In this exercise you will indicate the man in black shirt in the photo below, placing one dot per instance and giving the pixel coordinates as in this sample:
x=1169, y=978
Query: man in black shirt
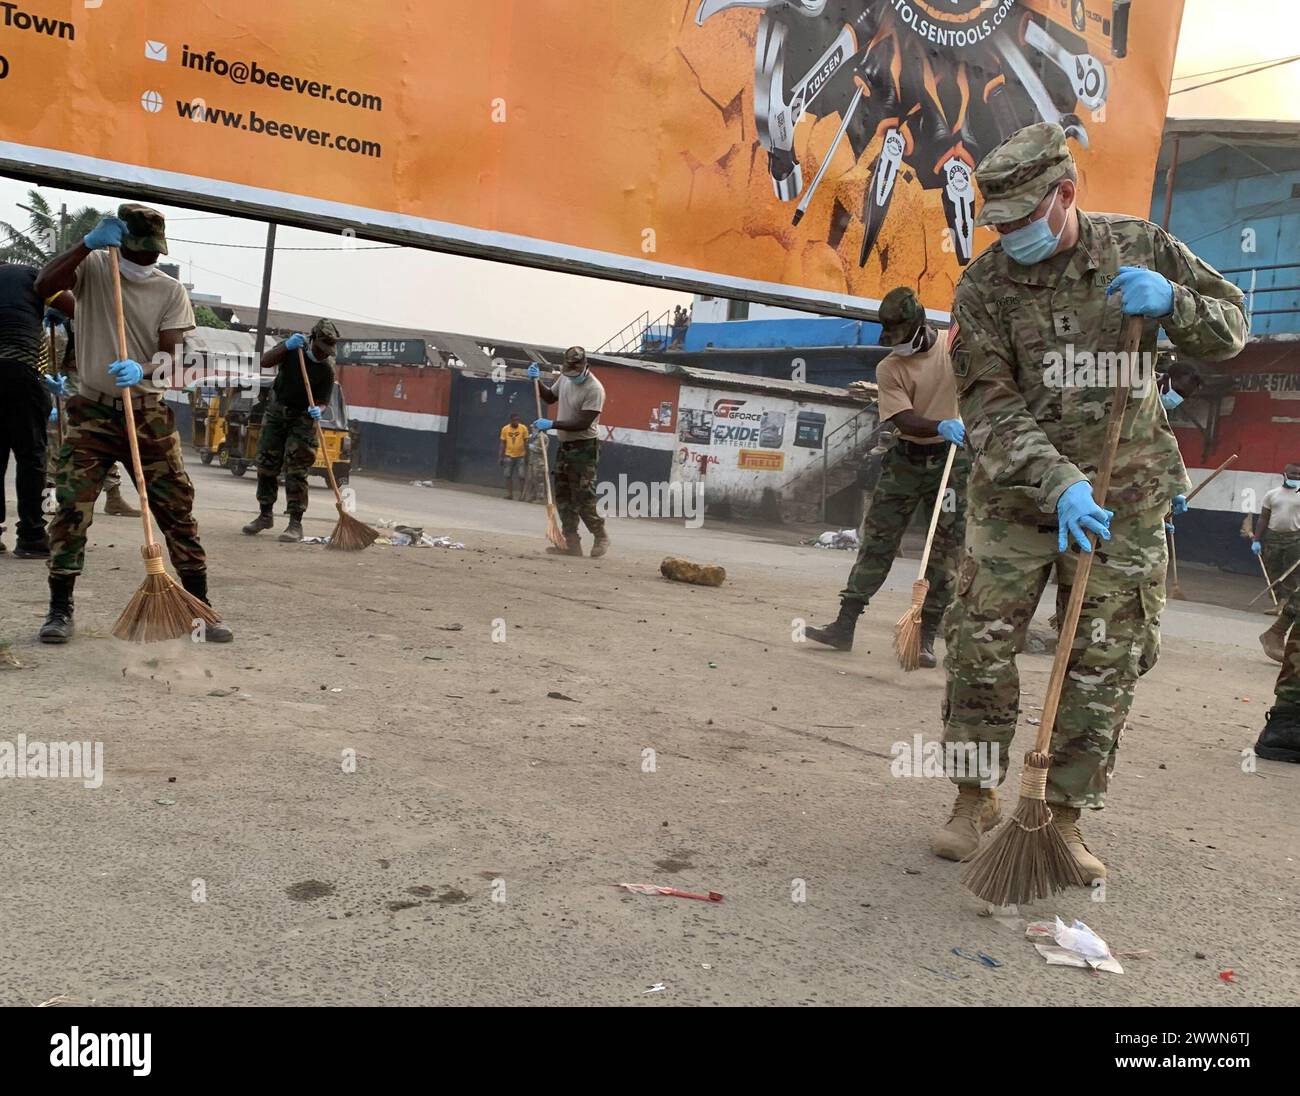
x=288, y=438
x=24, y=403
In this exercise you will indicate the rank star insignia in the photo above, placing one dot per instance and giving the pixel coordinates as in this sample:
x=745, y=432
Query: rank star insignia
x=1066, y=323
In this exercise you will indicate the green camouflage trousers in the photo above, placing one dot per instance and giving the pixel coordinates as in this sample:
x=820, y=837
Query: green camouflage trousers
x=909, y=478
x=1288, y=680
x=287, y=443
x=999, y=583
x=575, y=486
x=1281, y=550
x=94, y=440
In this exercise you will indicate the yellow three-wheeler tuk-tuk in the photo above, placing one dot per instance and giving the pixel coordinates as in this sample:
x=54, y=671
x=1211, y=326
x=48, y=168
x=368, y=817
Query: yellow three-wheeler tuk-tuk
x=228, y=423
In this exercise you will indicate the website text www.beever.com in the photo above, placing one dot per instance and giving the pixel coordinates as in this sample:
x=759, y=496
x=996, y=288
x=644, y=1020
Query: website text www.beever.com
x=250, y=72
x=200, y=112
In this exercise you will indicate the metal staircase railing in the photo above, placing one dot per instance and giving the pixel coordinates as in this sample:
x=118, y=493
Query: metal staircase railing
x=852, y=438
x=640, y=335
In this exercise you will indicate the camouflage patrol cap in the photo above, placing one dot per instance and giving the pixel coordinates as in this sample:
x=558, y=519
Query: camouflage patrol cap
x=325, y=330
x=1017, y=175
x=146, y=228
x=575, y=355
x=900, y=315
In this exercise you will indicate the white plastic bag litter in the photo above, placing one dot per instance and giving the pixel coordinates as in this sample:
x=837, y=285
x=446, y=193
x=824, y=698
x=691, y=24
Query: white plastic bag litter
x=1076, y=946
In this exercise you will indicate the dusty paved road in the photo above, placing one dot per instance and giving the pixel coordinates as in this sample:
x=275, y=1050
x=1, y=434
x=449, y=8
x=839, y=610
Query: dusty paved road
x=471, y=856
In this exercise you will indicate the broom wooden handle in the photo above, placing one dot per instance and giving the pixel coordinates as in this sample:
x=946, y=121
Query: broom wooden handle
x=131, y=440
x=58, y=400
x=1269, y=589
x=1070, y=625
x=1210, y=478
x=546, y=466
x=938, y=509
x=320, y=434
x=1274, y=584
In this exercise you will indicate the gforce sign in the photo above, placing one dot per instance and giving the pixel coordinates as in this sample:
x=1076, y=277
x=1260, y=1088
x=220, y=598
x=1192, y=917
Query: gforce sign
x=734, y=429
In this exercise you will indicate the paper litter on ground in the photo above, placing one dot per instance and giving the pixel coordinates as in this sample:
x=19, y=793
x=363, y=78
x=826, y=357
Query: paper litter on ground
x=846, y=539
x=1076, y=946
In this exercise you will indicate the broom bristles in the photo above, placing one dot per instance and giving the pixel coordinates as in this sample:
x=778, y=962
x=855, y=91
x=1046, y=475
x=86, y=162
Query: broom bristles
x=1027, y=859
x=553, y=531
x=351, y=534
x=907, y=632
x=161, y=609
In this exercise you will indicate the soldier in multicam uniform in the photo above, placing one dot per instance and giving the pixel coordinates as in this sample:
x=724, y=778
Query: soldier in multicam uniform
x=917, y=396
x=157, y=314
x=1280, y=739
x=580, y=398
x=287, y=442
x=1060, y=282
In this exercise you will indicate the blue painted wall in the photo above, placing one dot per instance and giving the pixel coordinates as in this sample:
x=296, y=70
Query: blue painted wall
x=779, y=334
x=1222, y=196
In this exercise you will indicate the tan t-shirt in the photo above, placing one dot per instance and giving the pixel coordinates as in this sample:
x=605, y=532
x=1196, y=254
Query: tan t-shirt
x=1283, y=505
x=152, y=306
x=573, y=397
x=920, y=382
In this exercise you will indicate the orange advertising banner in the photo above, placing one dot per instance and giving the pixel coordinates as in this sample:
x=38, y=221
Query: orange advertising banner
x=813, y=153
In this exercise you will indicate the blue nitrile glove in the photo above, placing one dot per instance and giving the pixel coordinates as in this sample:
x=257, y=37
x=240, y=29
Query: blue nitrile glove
x=1078, y=514
x=55, y=318
x=54, y=414
x=1146, y=293
x=1169, y=528
x=127, y=373
x=1179, y=505
x=57, y=385
x=1256, y=547
x=295, y=342
x=108, y=233
x=534, y=372
x=953, y=430
x=543, y=424
x=314, y=412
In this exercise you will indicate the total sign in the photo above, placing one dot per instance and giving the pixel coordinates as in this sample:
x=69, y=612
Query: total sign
x=734, y=426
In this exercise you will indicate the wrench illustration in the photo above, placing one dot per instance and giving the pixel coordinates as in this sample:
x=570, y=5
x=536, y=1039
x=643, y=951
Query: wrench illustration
x=1085, y=72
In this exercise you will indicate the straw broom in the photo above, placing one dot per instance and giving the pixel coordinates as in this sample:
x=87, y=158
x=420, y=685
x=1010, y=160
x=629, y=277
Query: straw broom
x=1028, y=858
x=350, y=534
x=553, y=531
x=1174, y=589
x=161, y=609
x=1271, y=592
x=1274, y=584
x=907, y=632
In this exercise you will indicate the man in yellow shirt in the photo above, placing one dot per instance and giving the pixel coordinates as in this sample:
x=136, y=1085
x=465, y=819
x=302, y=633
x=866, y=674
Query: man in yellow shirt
x=514, y=449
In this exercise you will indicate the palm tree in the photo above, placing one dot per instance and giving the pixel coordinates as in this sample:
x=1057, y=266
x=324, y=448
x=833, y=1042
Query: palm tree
x=48, y=232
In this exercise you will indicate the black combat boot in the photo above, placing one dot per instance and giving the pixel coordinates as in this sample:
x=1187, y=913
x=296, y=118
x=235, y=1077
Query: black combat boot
x=839, y=632
x=196, y=585
x=264, y=520
x=293, y=533
x=58, y=627
x=927, y=659
x=1280, y=738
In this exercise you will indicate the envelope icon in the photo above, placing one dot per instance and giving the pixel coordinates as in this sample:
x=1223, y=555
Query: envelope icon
x=155, y=51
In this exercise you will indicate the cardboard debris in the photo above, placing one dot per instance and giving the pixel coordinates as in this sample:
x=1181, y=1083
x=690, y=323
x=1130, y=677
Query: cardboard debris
x=1075, y=946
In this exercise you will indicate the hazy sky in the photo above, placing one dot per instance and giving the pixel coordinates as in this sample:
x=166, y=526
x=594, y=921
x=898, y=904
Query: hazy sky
x=449, y=293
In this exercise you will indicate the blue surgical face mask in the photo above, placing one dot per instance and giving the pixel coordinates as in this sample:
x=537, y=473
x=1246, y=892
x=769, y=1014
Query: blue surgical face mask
x=579, y=378
x=1170, y=399
x=310, y=356
x=1293, y=484
x=1035, y=241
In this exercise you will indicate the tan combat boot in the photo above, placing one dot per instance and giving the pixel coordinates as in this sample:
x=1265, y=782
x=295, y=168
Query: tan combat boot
x=116, y=506
x=572, y=546
x=975, y=812
x=1066, y=821
x=600, y=547
x=1274, y=640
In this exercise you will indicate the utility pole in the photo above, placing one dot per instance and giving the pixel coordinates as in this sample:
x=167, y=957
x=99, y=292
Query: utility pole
x=265, y=304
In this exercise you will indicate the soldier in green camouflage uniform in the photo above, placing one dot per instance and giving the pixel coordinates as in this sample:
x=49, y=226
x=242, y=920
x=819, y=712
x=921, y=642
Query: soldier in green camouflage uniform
x=1280, y=739
x=917, y=396
x=1037, y=431
x=580, y=397
x=288, y=437
x=157, y=313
